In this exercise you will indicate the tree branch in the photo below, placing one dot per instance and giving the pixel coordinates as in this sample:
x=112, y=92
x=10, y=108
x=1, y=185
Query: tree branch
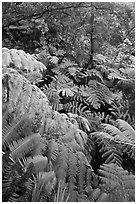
x=39, y=15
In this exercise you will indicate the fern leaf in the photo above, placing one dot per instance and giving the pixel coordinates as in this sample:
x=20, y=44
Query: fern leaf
x=129, y=150
x=14, y=198
x=24, y=60
x=115, y=132
x=126, y=129
x=61, y=164
x=44, y=183
x=95, y=194
x=23, y=146
x=114, y=181
x=15, y=130
x=33, y=77
x=53, y=151
x=80, y=138
x=72, y=170
x=81, y=171
x=7, y=119
x=15, y=58
x=61, y=193
x=108, y=149
x=47, y=178
x=6, y=59
x=103, y=198
x=40, y=163
x=66, y=92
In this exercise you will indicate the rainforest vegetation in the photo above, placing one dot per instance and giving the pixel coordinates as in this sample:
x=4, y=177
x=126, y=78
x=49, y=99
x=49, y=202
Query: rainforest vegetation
x=68, y=102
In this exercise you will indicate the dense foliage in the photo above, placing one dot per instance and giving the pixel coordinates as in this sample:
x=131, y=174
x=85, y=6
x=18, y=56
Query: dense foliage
x=68, y=102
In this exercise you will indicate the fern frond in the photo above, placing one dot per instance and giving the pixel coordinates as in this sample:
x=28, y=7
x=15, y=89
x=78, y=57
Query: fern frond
x=21, y=147
x=102, y=69
x=98, y=196
x=60, y=196
x=7, y=118
x=94, y=74
x=82, y=165
x=53, y=151
x=48, y=179
x=81, y=138
x=33, y=77
x=53, y=97
x=83, y=122
x=72, y=171
x=109, y=151
x=97, y=94
x=129, y=150
x=62, y=79
x=15, y=130
x=66, y=92
x=44, y=183
x=115, y=74
x=126, y=129
x=21, y=61
x=61, y=164
x=116, y=133
x=118, y=181
x=75, y=107
x=14, y=198
x=40, y=163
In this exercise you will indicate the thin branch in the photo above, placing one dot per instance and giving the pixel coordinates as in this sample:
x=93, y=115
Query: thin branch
x=39, y=15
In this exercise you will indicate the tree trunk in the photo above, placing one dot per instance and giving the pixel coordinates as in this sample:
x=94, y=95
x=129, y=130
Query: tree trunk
x=89, y=64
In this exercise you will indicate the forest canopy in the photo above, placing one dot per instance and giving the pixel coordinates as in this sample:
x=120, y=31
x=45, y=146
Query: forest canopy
x=68, y=101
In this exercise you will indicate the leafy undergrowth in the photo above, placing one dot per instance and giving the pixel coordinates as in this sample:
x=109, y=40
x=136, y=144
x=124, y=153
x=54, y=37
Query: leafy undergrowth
x=64, y=135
